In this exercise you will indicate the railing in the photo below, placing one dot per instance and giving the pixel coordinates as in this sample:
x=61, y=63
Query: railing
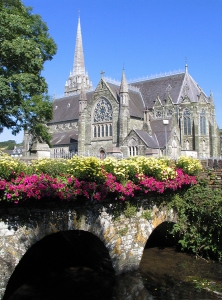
x=165, y=74
x=64, y=155
x=69, y=155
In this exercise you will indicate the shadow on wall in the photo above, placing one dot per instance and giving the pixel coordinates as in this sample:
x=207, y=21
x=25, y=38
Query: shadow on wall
x=161, y=236
x=63, y=265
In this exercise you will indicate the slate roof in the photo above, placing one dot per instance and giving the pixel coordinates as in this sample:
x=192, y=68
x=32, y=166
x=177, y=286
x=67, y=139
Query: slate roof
x=67, y=108
x=160, y=134
x=175, y=84
x=152, y=87
x=161, y=131
x=64, y=137
x=149, y=140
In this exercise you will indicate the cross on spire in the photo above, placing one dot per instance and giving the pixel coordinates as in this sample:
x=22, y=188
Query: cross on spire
x=102, y=73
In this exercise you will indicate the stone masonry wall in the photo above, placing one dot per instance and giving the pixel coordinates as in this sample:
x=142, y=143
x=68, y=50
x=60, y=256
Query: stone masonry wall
x=125, y=238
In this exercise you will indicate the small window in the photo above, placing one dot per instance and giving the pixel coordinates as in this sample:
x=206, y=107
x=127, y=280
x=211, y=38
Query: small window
x=107, y=130
x=187, y=122
x=202, y=122
x=110, y=130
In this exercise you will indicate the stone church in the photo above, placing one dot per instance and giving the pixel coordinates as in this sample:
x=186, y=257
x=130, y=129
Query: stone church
x=166, y=115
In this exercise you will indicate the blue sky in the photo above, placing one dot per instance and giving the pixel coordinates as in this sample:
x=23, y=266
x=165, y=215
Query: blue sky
x=147, y=36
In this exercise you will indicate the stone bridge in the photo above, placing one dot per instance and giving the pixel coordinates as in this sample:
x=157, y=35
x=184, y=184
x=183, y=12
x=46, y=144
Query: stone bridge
x=123, y=229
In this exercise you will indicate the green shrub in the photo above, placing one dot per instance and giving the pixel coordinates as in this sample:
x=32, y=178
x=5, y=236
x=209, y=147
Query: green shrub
x=199, y=223
x=52, y=167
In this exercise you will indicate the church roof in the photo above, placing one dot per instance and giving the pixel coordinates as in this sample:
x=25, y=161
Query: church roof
x=176, y=85
x=161, y=131
x=149, y=140
x=64, y=137
x=67, y=108
x=152, y=88
x=160, y=134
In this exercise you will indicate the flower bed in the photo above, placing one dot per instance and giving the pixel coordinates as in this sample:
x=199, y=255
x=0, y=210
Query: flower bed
x=90, y=178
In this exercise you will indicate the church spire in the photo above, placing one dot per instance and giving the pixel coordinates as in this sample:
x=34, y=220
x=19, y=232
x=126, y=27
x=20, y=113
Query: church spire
x=124, y=94
x=124, y=115
x=78, y=64
x=78, y=76
x=123, y=86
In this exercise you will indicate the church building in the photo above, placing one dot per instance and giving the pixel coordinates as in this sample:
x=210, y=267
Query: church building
x=166, y=115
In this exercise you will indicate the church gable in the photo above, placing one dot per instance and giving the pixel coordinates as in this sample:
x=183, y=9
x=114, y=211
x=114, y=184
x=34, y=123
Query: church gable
x=157, y=103
x=103, y=90
x=189, y=90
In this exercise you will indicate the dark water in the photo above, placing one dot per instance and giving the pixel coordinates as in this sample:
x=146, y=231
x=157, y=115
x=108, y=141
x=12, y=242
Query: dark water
x=57, y=269
x=169, y=274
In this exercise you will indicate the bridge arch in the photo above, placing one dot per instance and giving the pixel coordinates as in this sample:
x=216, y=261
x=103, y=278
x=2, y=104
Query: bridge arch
x=161, y=236
x=123, y=237
x=72, y=252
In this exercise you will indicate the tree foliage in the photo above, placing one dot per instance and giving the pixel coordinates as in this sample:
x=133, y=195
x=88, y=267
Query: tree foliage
x=9, y=145
x=25, y=45
x=199, y=224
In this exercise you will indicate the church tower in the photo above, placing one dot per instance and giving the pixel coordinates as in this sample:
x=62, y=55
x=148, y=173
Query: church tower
x=78, y=75
x=124, y=116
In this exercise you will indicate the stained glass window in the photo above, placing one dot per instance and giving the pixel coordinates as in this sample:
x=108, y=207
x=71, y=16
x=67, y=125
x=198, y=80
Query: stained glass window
x=103, y=111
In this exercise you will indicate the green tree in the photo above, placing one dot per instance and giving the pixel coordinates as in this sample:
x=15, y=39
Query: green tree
x=25, y=45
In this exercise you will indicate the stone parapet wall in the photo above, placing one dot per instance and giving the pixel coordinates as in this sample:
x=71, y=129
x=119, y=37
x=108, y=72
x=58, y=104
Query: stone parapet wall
x=212, y=172
x=213, y=177
x=212, y=163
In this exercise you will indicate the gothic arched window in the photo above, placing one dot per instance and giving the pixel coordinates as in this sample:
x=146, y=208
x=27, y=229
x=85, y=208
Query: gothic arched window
x=133, y=147
x=187, y=122
x=102, y=119
x=202, y=122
